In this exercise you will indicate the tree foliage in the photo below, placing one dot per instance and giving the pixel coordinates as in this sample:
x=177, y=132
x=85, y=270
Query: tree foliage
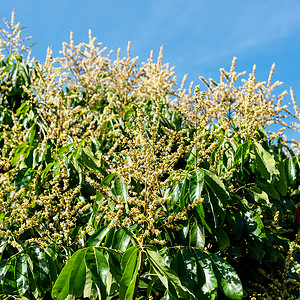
x=116, y=185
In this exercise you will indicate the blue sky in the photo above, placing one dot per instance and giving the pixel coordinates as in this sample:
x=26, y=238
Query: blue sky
x=199, y=36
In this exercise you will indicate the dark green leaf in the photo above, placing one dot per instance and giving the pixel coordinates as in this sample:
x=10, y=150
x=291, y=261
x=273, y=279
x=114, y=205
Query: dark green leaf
x=281, y=180
x=117, y=239
x=167, y=275
x=40, y=269
x=21, y=273
x=216, y=186
x=197, y=235
x=222, y=238
x=228, y=279
x=208, y=281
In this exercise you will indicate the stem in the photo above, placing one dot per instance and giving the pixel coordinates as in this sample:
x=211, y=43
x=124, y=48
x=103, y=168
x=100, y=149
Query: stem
x=136, y=288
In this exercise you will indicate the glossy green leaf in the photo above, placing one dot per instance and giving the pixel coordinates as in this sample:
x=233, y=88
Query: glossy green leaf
x=40, y=269
x=7, y=276
x=259, y=195
x=118, y=239
x=197, y=235
x=254, y=224
x=207, y=279
x=228, y=279
x=88, y=159
x=241, y=153
x=196, y=185
x=183, y=186
x=98, y=236
x=130, y=263
x=179, y=192
x=201, y=213
x=269, y=189
x=167, y=276
x=21, y=273
x=99, y=268
x=185, y=265
x=265, y=161
x=291, y=170
x=71, y=280
x=281, y=180
x=121, y=189
x=216, y=186
x=107, y=180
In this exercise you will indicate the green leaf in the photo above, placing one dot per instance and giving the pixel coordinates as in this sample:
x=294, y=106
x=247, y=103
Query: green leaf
x=99, y=268
x=241, y=153
x=236, y=222
x=63, y=150
x=216, y=186
x=196, y=185
x=40, y=269
x=21, y=273
x=259, y=195
x=254, y=224
x=201, y=213
x=281, y=180
x=179, y=192
x=291, y=170
x=130, y=265
x=88, y=159
x=167, y=276
x=106, y=181
x=117, y=239
x=222, y=238
x=208, y=281
x=121, y=189
x=96, y=239
x=197, y=236
x=228, y=279
x=71, y=280
x=265, y=161
x=269, y=189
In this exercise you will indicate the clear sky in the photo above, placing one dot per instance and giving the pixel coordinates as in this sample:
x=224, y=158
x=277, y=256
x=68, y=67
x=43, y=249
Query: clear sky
x=199, y=36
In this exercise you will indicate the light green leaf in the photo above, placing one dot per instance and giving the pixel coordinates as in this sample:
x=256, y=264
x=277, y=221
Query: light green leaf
x=88, y=159
x=265, y=161
x=71, y=280
x=98, y=266
x=130, y=263
x=121, y=189
x=196, y=185
x=259, y=195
